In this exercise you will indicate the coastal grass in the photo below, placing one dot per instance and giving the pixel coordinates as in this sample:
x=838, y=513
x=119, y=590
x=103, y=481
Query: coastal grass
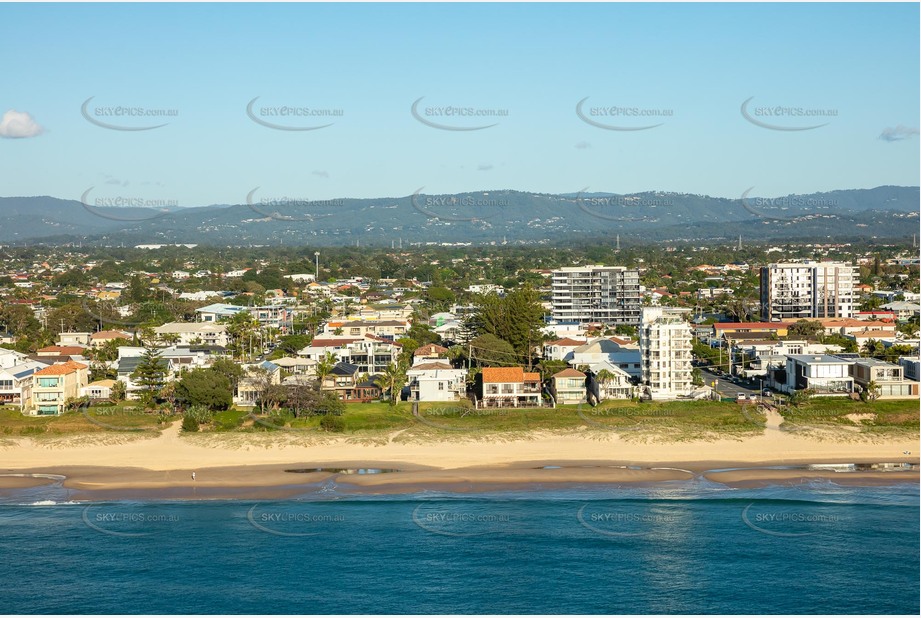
x=873, y=417
x=124, y=417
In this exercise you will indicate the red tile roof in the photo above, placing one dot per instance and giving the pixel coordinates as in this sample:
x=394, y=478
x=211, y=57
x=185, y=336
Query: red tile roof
x=429, y=349
x=565, y=341
x=493, y=375
x=763, y=325
x=61, y=369
x=63, y=350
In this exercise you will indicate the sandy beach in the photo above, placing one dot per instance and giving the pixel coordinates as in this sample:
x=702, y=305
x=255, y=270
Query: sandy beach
x=276, y=466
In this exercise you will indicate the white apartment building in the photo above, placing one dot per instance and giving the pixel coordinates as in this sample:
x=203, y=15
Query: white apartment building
x=665, y=348
x=596, y=293
x=187, y=333
x=793, y=291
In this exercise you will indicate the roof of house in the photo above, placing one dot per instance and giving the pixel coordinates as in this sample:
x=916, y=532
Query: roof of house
x=62, y=350
x=762, y=325
x=344, y=369
x=565, y=341
x=332, y=343
x=103, y=383
x=494, y=375
x=822, y=359
x=430, y=366
x=569, y=372
x=109, y=334
x=429, y=349
x=189, y=327
x=61, y=369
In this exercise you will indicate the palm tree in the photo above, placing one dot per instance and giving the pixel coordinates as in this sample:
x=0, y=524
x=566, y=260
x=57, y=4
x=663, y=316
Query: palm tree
x=871, y=390
x=391, y=381
x=325, y=366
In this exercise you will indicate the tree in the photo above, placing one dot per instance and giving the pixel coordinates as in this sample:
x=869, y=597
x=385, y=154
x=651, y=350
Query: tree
x=242, y=328
x=119, y=390
x=391, y=381
x=205, y=387
x=490, y=351
x=810, y=330
x=801, y=396
x=325, y=366
x=229, y=369
x=870, y=391
x=150, y=374
x=291, y=344
x=516, y=318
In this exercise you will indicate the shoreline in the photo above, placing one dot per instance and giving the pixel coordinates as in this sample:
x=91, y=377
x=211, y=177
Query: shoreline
x=278, y=482
x=228, y=467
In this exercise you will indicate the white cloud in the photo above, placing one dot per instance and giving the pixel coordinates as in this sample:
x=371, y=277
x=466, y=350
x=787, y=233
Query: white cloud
x=16, y=125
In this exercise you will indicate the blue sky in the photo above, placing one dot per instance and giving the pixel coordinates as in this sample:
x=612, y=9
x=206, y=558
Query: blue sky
x=696, y=64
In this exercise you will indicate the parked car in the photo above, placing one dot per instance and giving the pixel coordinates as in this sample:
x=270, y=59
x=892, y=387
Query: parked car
x=741, y=397
x=766, y=393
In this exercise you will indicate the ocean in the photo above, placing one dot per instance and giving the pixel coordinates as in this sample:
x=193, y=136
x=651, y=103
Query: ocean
x=675, y=547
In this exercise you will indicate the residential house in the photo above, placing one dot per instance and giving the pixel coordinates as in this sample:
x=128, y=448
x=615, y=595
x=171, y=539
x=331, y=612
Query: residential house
x=187, y=333
x=429, y=351
x=903, y=309
x=627, y=358
x=387, y=329
x=346, y=381
x=911, y=366
x=16, y=383
x=889, y=378
x=53, y=386
x=255, y=378
x=615, y=383
x=728, y=330
x=509, y=387
x=826, y=375
x=102, y=337
x=568, y=386
x=298, y=366
x=559, y=349
x=100, y=389
x=74, y=339
x=436, y=380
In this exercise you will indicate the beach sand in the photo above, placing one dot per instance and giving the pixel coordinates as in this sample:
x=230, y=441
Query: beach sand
x=254, y=466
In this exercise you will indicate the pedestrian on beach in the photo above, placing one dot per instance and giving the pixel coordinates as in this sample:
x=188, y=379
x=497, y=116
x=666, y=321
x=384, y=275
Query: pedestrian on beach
x=193, y=476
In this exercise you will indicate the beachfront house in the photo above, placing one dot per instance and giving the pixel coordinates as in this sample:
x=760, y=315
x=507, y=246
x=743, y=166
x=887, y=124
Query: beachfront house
x=436, y=380
x=889, y=379
x=568, y=386
x=824, y=374
x=53, y=386
x=508, y=387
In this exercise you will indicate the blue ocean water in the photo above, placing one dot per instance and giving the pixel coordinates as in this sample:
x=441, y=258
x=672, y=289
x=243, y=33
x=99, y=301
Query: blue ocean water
x=672, y=548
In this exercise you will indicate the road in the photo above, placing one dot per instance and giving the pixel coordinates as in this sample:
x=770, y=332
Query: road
x=726, y=387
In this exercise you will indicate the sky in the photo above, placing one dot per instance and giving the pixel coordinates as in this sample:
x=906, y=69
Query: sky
x=832, y=94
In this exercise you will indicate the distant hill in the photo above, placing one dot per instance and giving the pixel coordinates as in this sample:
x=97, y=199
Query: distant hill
x=478, y=217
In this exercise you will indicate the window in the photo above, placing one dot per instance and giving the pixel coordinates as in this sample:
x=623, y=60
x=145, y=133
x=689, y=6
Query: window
x=441, y=386
x=6, y=384
x=47, y=382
